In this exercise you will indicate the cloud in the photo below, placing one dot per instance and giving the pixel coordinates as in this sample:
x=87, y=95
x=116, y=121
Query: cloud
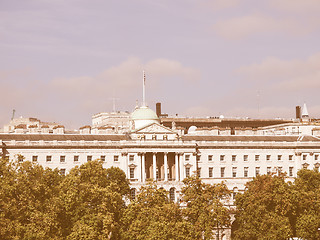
x=245, y=26
x=123, y=81
x=293, y=75
x=297, y=6
x=219, y=4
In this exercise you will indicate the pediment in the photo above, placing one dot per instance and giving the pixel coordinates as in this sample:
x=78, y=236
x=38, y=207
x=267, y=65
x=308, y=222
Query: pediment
x=155, y=128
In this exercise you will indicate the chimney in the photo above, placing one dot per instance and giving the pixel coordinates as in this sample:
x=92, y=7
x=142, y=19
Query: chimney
x=298, y=112
x=158, y=109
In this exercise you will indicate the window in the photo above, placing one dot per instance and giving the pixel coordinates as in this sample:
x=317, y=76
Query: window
x=133, y=193
x=221, y=157
x=245, y=171
x=290, y=171
x=34, y=158
x=210, y=158
x=187, y=157
x=245, y=158
x=157, y=173
x=290, y=157
x=154, y=137
x=257, y=157
x=103, y=158
x=62, y=158
x=48, y=158
x=172, y=194
x=187, y=172
x=165, y=137
x=304, y=157
x=116, y=158
x=268, y=170
x=198, y=158
x=199, y=172
x=131, y=157
x=76, y=158
x=131, y=173
x=268, y=157
x=89, y=158
x=234, y=158
x=234, y=172
x=316, y=157
x=279, y=169
x=63, y=171
x=222, y=171
x=279, y=157
x=257, y=171
x=210, y=172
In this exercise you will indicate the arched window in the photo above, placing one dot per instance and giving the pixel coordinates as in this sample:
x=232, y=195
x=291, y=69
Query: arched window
x=133, y=193
x=172, y=194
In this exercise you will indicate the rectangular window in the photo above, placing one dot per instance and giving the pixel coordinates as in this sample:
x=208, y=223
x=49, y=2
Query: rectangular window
x=257, y=171
x=62, y=159
x=89, y=158
x=187, y=157
x=210, y=158
x=103, y=158
x=154, y=137
x=304, y=157
x=245, y=171
x=316, y=157
x=268, y=170
x=187, y=172
x=210, y=172
x=48, y=158
x=279, y=157
x=131, y=157
x=290, y=157
x=234, y=172
x=221, y=157
x=34, y=158
x=291, y=171
x=199, y=172
x=245, y=158
x=257, y=157
x=131, y=173
x=234, y=158
x=76, y=158
x=116, y=158
x=63, y=171
x=222, y=171
x=268, y=157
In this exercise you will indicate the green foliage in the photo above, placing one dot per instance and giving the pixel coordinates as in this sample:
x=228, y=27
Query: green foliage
x=204, y=209
x=153, y=216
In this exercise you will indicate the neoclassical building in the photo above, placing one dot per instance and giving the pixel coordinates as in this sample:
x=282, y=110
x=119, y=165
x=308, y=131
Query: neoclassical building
x=146, y=149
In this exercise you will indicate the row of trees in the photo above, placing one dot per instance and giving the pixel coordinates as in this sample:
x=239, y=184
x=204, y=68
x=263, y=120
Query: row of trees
x=272, y=208
x=92, y=202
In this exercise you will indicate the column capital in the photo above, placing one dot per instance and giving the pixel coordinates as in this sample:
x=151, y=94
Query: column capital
x=124, y=153
x=141, y=153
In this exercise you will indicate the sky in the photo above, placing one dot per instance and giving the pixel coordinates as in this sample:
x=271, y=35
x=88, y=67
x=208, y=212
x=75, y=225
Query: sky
x=66, y=60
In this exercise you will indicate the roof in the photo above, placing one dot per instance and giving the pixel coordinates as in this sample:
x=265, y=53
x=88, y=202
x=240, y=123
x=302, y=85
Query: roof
x=144, y=113
x=252, y=138
x=61, y=137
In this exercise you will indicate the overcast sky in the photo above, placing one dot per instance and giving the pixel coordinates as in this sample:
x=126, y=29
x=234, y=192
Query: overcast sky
x=64, y=60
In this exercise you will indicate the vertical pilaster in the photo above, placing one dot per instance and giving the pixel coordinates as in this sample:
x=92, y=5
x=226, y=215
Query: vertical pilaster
x=154, y=165
x=176, y=158
x=143, y=167
x=165, y=159
x=181, y=156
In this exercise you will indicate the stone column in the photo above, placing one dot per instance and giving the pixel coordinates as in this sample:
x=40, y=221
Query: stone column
x=143, y=167
x=154, y=166
x=176, y=157
x=165, y=160
x=181, y=162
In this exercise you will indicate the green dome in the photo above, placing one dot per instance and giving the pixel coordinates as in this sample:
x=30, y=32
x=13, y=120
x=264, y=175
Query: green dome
x=144, y=113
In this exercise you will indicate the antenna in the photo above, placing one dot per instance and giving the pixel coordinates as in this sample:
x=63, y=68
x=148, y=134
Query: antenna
x=13, y=112
x=144, y=90
x=114, y=104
